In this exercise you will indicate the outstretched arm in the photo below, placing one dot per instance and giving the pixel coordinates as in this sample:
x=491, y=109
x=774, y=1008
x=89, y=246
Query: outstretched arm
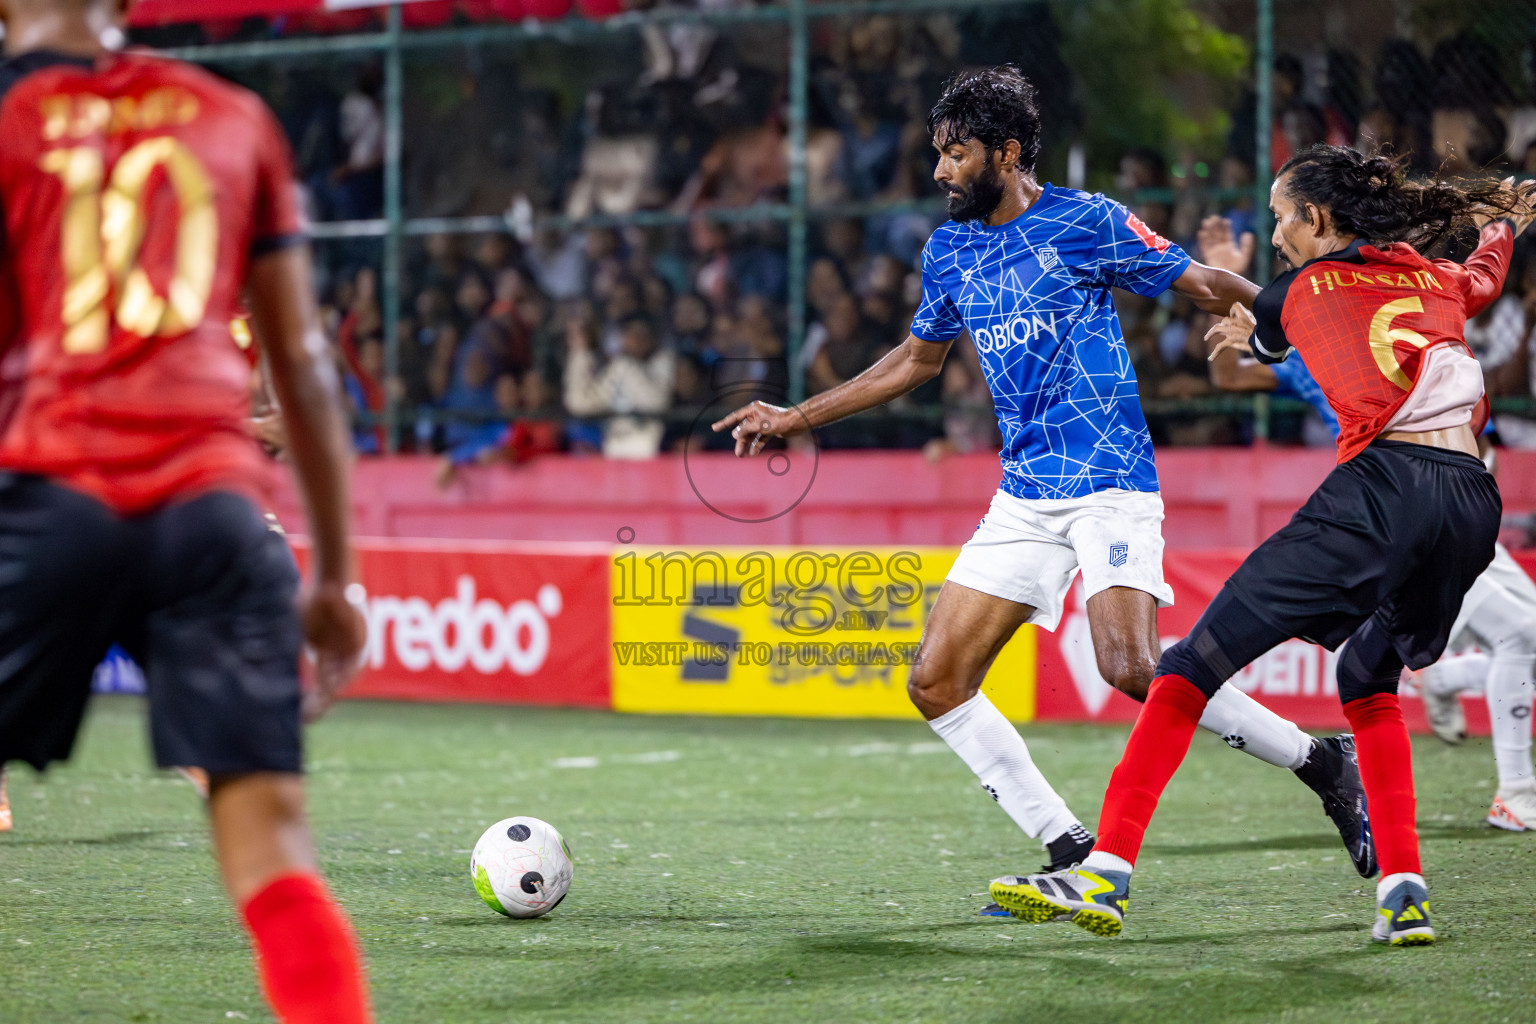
x=909, y=364
x=1217, y=283
x=304, y=380
x=1213, y=289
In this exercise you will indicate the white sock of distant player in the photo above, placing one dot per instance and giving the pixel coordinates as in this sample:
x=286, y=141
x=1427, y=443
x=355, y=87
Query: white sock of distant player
x=1254, y=729
x=1509, y=712
x=1506, y=627
x=994, y=750
x=1462, y=674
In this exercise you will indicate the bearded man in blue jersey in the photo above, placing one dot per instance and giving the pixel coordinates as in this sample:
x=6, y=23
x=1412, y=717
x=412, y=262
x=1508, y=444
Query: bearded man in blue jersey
x=1027, y=269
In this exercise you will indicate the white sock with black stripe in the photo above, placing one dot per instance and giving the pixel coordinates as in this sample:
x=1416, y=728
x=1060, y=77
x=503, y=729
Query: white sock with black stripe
x=994, y=750
x=1252, y=728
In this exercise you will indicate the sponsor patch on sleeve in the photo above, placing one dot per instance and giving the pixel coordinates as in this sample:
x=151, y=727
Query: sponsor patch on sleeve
x=1146, y=234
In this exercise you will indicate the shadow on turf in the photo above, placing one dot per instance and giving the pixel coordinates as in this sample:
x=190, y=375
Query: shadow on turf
x=825, y=964
x=111, y=839
x=1313, y=841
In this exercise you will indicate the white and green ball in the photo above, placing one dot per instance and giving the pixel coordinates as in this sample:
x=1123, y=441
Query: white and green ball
x=521, y=867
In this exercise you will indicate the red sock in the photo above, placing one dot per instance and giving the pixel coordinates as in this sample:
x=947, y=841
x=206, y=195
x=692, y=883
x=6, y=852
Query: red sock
x=1386, y=769
x=1157, y=746
x=307, y=954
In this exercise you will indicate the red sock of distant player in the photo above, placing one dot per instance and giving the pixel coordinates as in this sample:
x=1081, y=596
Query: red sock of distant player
x=1157, y=746
x=306, y=953
x=1386, y=769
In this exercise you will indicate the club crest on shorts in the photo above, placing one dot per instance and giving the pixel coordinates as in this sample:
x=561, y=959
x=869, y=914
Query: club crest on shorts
x=1118, y=553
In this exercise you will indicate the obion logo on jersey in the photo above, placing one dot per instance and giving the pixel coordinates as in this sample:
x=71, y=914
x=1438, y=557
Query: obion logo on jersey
x=1019, y=329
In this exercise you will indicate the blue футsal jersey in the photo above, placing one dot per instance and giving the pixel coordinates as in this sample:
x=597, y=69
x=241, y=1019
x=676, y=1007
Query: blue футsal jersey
x=1295, y=381
x=1034, y=293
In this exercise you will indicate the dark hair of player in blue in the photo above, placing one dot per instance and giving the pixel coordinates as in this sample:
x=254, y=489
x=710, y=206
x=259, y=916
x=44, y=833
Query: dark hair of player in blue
x=1371, y=197
x=991, y=105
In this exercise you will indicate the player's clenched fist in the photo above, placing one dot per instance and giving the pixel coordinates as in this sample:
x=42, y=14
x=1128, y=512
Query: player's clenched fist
x=752, y=425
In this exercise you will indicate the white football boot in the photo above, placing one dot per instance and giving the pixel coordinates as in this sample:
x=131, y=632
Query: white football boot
x=1514, y=809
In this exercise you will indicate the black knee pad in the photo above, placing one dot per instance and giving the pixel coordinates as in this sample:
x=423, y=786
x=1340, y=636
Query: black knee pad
x=1192, y=659
x=1369, y=664
x=1227, y=637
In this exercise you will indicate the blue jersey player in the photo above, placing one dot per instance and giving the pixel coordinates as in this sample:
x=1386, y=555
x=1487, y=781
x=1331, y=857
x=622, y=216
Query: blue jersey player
x=1027, y=269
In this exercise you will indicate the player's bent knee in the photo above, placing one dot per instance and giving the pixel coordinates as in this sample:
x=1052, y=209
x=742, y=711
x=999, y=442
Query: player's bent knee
x=936, y=692
x=1130, y=677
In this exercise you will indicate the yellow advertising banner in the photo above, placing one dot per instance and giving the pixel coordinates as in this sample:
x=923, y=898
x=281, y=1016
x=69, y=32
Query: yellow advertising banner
x=786, y=631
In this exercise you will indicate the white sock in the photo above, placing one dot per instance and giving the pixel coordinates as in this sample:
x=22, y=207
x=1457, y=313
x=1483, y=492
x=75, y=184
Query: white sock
x=1508, y=629
x=994, y=750
x=1456, y=675
x=1251, y=727
x=1509, y=710
x=1099, y=861
x=1390, y=882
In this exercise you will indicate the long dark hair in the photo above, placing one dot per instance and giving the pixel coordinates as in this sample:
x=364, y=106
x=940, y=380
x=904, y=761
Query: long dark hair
x=1371, y=197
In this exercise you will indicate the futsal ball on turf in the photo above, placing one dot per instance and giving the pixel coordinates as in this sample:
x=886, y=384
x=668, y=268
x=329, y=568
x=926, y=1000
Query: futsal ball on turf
x=521, y=867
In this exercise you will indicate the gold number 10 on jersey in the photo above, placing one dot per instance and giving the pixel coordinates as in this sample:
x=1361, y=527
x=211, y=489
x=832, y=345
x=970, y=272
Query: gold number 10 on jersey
x=104, y=229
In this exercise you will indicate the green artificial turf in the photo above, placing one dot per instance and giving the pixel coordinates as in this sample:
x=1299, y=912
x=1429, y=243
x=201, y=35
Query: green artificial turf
x=750, y=870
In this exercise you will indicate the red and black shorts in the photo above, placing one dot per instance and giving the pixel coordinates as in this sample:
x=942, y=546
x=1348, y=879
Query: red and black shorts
x=201, y=593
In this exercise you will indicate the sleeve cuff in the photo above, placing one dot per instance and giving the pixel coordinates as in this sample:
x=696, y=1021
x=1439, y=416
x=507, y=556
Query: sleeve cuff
x=1264, y=354
x=1171, y=273
x=920, y=336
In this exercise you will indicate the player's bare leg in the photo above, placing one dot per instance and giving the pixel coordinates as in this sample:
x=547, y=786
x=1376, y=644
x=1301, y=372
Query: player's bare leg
x=1123, y=622
x=259, y=830
x=965, y=632
x=5, y=805
x=305, y=947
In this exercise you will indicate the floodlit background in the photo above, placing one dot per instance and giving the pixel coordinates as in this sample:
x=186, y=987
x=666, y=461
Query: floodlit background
x=556, y=551
x=489, y=178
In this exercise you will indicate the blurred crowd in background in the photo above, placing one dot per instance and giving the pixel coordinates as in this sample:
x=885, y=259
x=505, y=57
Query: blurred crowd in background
x=616, y=341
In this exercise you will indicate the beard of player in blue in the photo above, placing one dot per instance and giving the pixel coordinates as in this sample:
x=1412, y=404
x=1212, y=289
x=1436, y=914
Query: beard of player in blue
x=974, y=191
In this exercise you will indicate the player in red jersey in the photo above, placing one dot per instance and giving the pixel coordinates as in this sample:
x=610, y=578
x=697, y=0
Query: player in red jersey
x=1383, y=551
x=139, y=197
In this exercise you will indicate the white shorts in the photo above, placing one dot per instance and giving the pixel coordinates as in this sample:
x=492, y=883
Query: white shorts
x=1029, y=550
x=1502, y=581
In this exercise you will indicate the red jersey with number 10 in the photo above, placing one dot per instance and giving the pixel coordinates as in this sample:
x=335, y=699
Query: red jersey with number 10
x=134, y=191
x=1365, y=318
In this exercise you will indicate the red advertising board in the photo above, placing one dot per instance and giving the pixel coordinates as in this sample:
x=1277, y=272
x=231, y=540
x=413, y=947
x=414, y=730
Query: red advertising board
x=501, y=623
x=1295, y=679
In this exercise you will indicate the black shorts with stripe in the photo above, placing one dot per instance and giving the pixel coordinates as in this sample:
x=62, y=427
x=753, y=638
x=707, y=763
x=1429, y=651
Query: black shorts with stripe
x=200, y=593
x=1398, y=533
